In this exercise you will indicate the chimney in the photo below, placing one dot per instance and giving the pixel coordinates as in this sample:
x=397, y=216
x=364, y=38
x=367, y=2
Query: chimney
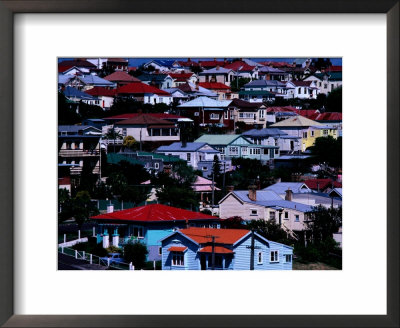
x=229, y=188
x=217, y=68
x=184, y=143
x=289, y=194
x=197, y=85
x=258, y=183
x=278, y=180
x=253, y=193
x=318, y=186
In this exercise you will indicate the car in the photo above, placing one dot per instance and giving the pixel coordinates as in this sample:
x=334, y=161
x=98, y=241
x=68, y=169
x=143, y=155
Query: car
x=114, y=258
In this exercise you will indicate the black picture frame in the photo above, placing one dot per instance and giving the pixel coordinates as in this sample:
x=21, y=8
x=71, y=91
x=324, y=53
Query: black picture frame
x=10, y=7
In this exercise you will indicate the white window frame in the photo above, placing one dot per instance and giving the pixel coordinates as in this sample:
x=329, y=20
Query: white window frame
x=260, y=258
x=226, y=115
x=196, y=114
x=233, y=150
x=244, y=150
x=274, y=256
x=178, y=259
x=188, y=157
x=160, y=250
x=288, y=256
x=214, y=116
x=253, y=210
x=297, y=218
x=156, y=166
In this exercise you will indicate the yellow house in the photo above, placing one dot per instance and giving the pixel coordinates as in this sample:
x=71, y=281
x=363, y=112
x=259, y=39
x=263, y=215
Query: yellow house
x=305, y=128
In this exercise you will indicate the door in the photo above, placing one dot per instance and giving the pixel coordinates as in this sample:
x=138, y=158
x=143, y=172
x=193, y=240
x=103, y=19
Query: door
x=203, y=262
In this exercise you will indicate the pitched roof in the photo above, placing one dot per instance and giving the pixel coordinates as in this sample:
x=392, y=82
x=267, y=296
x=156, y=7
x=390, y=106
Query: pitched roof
x=154, y=213
x=206, y=102
x=222, y=236
x=300, y=83
x=240, y=66
x=191, y=88
x=153, y=77
x=75, y=93
x=189, y=147
x=216, y=70
x=266, y=132
x=245, y=104
x=329, y=116
x=181, y=76
x=264, y=83
x=120, y=76
x=115, y=158
x=281, y=187
x=211, y=63
x=126, y=116
x=309, y=113
x=322, y=184
x=217, y=250
x=214, y=86
x=101, y=91
x=273, y=70
x=77, y=63
x=95, y=80
x=218, y=139
x=144, y=119
x=177, y=249
x=140, y=88
x=282, y=109
x=64, y=78
x=297, y=121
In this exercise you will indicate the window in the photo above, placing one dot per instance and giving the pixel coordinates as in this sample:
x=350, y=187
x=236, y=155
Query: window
x=244, y=150
x=156, y=166
x=137, y=231
x=305, y=134
x=276, y=151
x=226, y=115
x=188, y=157
x=312, y=133
x=286, y=215
x=205, y=168
x=288, y=258
x=217, y=261
x=274, y=256
x=233, y=150
x=160, y=250
x=299, y=91
x=255, y=151
x=297, y=218
x=325, y=86
x=214, y=116
x=177, y=259
x=260, y=258
x=254, y=212
x=196, y=113
x=272, y=215
x=325, y=132
x=232, y=116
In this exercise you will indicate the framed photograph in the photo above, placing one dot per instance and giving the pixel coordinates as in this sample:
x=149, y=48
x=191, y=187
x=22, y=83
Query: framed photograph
x=135, y=103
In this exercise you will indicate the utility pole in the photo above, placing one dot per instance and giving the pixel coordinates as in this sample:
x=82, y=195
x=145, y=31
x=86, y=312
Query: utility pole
x=140, y=144
x=212, y=189
x=252, y=250
x=213, y=253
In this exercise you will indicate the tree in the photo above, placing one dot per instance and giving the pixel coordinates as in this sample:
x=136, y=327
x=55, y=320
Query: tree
x=328, y=150
x=216, y=169
x=135, y=194
x=130, y=142
x=234, y=222
x=238, y=83
x=323, y=222
x=65, y=205
x=270, y=230
x=196, y=69
x=136, y=253
x=117, y=182
x=334, y=100
x=67, y=111
x=90, y=111
x=113, y=134
x=83, y=207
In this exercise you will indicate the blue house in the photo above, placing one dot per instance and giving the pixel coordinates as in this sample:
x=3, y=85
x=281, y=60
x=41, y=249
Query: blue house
x=223, y=249
x=232, y=145
x=150, y=223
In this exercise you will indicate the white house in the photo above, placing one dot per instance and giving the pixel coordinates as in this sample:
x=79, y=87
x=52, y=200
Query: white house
x=302, y=89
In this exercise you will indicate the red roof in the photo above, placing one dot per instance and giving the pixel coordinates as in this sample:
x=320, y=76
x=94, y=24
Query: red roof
x=309, y=113
x=154, y=213
x=176, y=75
x=140, y=88
x=121, y=76
x=211, y=63
x=329, y=116
x=239, y=65
x=322, y=184
x=188, y=63
x=222, y=236
x=132, y=115
x=177, y=249
x=77, y=63
x=64, y=181
x=214, y=85
x=145, y=119
x=217, y=250
x=301, y=83
x=100, y=91
x=334, y=69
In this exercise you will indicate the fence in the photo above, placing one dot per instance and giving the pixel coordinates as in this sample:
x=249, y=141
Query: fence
x=94, y=259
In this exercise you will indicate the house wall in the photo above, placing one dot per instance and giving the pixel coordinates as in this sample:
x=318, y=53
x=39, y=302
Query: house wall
x=151, y=98
x=106, y=102
x=191, y=259
x=134, y=131
x=242, y=256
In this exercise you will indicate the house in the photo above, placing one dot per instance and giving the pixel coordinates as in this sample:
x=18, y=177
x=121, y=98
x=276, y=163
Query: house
x=79, y=147
x=264, y=90
x=267, y=205
x=326, y=82
x=81, y=64
x=181, y=78
x=274, y=137
x=86, y=82
x=162, y=65
x=147, y=128
x=116, y=64
x=198, y=155
x=144, y=93
x=221, y=89
x=208, y=64
x=306, y=129
x=206, y=111
x=121, y=78
x=98, y=123
x=336, y=192
x=272, y=73
x=322, y=185
x=194, y=90
x=217, y=74
x=232, y=145
x=250, y=113
x=302, y=89
x=152, y=162
x=149, y=224
x=243, y=70
x=160, y=81
x=77, y=96
x=281, y=187
x=104, y=96
x=178, y=96
x=223, y=249
x=280, y=113
x=204, y=187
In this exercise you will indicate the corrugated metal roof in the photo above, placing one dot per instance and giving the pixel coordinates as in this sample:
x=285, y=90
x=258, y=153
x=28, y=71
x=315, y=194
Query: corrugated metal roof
x=75, y=93
x=177, y=146
x=281, y=187
x=268, y=132
x=218, y=139
x=298, y=121
x=206, y=102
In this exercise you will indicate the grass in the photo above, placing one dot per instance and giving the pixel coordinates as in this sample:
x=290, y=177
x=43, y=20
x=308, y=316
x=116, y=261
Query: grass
x=312, y=266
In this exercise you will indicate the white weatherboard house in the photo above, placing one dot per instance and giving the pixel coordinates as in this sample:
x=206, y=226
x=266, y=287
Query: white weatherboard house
x=267, y=205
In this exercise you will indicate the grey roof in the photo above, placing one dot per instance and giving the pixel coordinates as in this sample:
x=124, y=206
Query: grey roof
x=206, y=102
x=172, y=90
x=190, y=146
x=95, y=80
x=215, y=70
x=71, y=92
x=281, y=187
x=271, y=199
x=337, y=190
x=153, y=77
x=267, y=69
x=268, y=132
x=64, y=78
x=264, y=83
x=75, y=128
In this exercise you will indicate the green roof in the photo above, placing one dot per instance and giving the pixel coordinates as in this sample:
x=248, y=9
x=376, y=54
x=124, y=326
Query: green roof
x=218, y=139
x=113, y=158
x=256, y=93
x=165, y=158
x=333, y=76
